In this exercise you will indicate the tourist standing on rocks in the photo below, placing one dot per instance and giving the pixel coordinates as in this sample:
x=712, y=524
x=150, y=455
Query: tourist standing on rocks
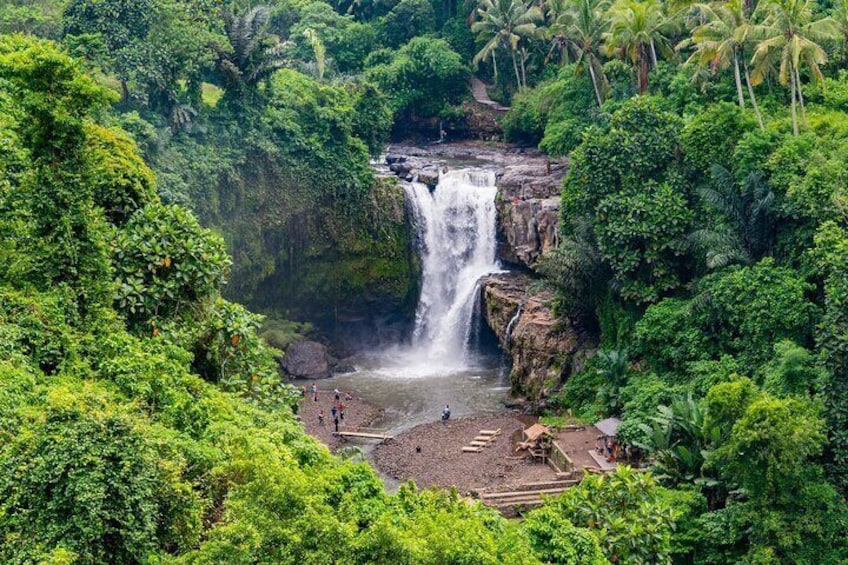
x=321, y=417
x=334, y=411
x=336, y=423
x=446, y=413
x=314, y=392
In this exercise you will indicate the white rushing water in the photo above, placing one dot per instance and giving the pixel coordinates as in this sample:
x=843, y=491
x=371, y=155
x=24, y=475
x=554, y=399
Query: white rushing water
x=456, y=225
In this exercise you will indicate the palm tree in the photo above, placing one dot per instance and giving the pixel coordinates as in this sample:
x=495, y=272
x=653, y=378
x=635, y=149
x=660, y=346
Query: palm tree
x=747, y=222
x=720, y=40
x=318, y=49
x=636, y=30
x=578, y=27
x=252, y=54
x=506, y=23
x=840, y=16
x=788, y=36
x=577, y=268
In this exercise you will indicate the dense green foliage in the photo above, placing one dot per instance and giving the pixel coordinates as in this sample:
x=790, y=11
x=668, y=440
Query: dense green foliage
x=116, y=445
x=703, y=240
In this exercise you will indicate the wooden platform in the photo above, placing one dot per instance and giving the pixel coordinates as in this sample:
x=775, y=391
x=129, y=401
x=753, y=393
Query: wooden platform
x=366, y=435
x=602, y=462
x=525, y=496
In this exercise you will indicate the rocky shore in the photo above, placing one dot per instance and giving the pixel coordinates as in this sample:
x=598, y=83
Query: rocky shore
x=358, y=414
x=431, y=455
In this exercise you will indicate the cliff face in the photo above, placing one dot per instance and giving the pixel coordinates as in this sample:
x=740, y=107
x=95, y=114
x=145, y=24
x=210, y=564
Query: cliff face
x=528, y=208
x=545, y=350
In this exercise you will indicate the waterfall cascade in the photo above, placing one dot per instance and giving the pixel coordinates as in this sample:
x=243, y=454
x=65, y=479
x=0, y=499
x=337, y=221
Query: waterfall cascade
x=456, y=229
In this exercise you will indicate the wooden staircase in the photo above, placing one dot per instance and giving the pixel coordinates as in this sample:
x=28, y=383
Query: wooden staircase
x=483, y=439
x=526, y=496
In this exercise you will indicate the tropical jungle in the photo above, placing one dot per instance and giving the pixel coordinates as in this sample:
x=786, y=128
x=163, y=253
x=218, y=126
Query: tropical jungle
x=188, y=187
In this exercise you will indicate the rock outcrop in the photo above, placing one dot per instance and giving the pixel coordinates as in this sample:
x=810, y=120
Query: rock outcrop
x=529, y=210
x=307, y=360
x=545, y=350
x=529, y=228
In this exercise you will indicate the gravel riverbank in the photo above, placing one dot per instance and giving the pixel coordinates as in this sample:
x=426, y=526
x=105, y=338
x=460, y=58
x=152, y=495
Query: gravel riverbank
x=441, y=462
x=358, y=414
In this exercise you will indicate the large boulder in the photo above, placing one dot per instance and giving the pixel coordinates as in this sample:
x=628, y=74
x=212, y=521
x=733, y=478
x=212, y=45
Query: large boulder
x=307, y=360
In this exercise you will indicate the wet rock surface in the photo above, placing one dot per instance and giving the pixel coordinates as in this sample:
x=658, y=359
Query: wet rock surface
x=545, y=350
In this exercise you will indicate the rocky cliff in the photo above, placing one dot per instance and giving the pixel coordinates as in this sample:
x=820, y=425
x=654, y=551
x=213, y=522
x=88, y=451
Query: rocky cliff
x=529, y=209
x=545, y=350
x=529, y=186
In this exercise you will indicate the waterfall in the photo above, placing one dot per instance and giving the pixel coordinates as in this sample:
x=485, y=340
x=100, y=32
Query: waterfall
x=456, y=231
x=512, y=322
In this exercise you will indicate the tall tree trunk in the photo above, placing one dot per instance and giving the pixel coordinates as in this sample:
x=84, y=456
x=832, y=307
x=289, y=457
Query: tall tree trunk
x=653, y=54
x=495, y=65
x=753, y=98
x=643, y=71
x=801, y=97
x=595, y=82
x=523, y=70
x=515, y=68
x=794, y=111
x=125, y=94
x=738, y=80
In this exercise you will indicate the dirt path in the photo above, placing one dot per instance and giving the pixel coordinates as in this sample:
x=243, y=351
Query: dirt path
x=441, y=462
x=478, y=90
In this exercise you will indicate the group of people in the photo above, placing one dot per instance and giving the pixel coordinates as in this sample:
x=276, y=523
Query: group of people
x=338, y=409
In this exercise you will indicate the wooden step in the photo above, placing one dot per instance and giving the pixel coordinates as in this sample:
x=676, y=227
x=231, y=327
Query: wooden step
x=493, y=495
x=516, y=500
x=526, y=504
x=479, y=443
x=490, y=432
x=472, y=449
x=545, y=485
x=484, y=438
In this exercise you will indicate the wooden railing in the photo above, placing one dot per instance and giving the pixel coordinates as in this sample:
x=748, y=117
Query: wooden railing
x=560, y=460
